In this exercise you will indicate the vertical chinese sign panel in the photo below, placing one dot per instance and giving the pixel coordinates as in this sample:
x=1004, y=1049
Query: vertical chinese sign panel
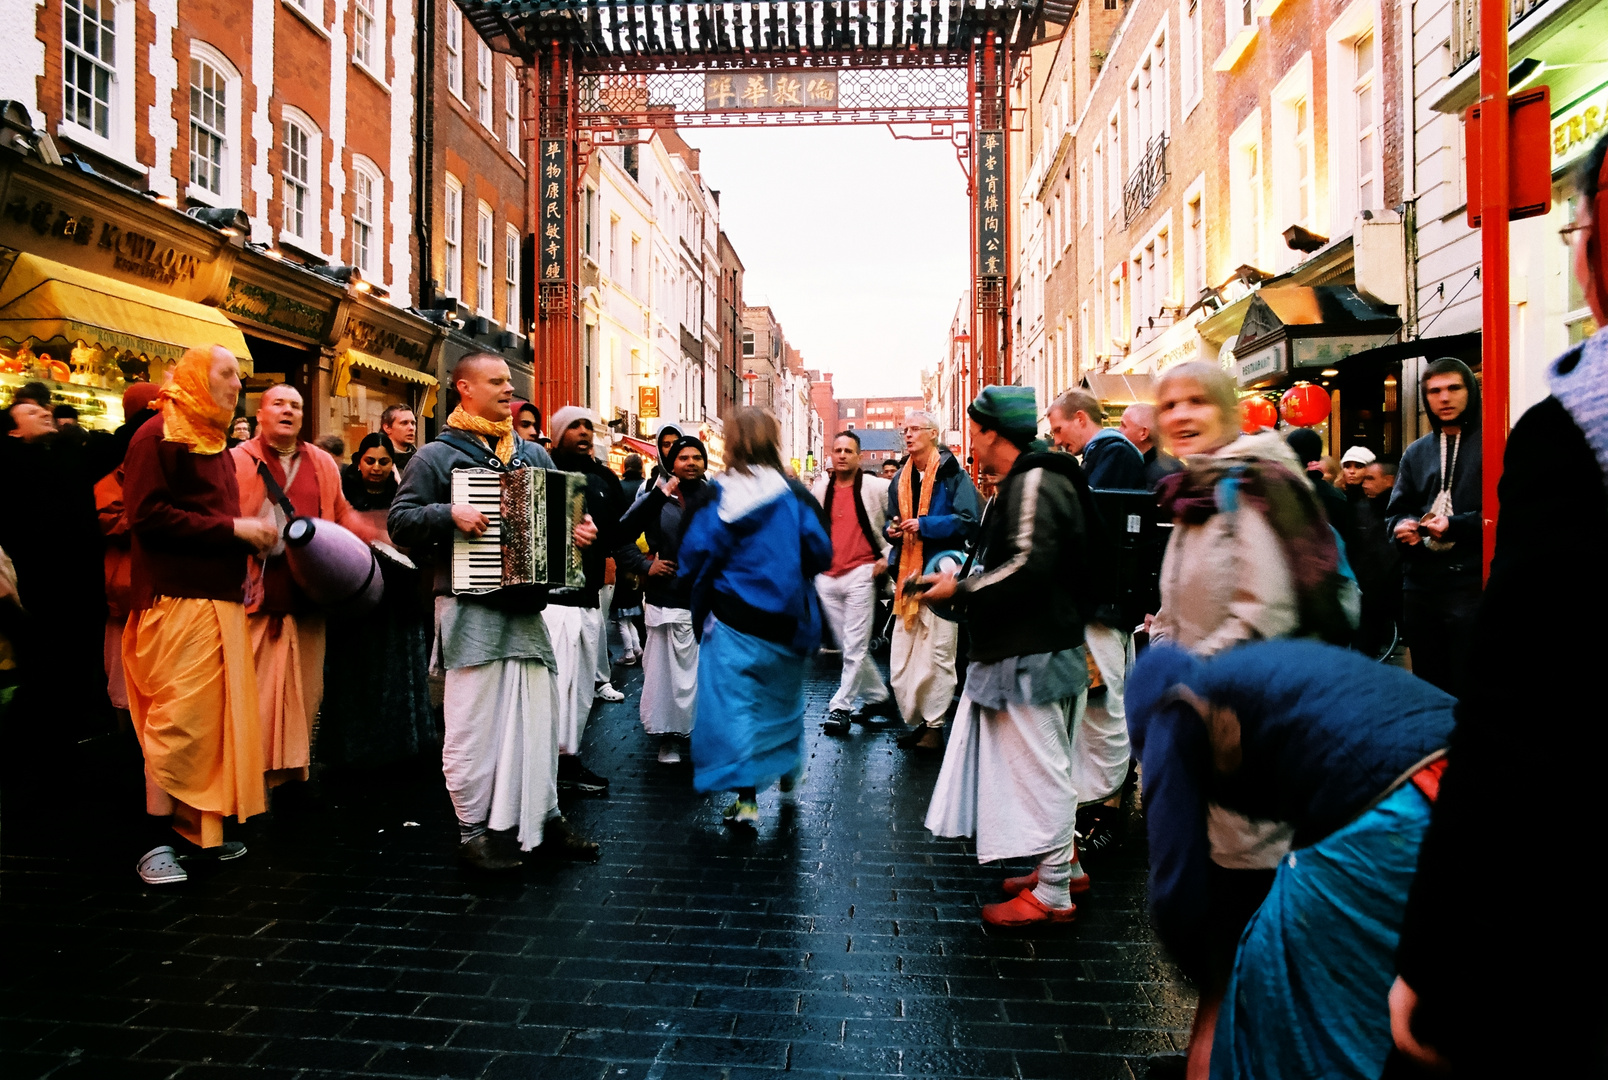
x=990, y=175
x=552, y=225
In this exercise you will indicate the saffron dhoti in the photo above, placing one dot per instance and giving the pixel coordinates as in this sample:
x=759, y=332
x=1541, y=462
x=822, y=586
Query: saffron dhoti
x=192, y=695
x=288, y=651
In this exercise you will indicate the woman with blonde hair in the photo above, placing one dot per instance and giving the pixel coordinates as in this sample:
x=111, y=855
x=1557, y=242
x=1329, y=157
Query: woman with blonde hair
x=1251, y=558
x=751, y=553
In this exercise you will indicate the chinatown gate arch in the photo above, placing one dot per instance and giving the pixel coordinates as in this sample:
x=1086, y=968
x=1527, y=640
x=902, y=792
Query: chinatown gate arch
x=610, y=72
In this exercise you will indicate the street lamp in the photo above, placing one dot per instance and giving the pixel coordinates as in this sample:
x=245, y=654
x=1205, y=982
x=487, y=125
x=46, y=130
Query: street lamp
x=750, y=377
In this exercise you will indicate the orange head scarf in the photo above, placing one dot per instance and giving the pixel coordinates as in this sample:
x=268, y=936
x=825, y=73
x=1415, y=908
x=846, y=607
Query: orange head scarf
x=189, y=413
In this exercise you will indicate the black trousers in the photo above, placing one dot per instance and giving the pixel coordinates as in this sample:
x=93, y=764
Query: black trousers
x=1439, y=627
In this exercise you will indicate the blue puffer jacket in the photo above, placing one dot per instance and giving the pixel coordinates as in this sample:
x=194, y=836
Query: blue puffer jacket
x=1323, y=732
x=952, y=515
x=751, y=554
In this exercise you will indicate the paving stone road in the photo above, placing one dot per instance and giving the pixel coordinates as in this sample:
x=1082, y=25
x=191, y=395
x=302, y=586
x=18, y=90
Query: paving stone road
x=840, y=940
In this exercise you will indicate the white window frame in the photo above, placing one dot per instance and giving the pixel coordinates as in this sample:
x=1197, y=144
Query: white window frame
x=311, y=236
x=485, y=230
x=614, y=247
x=118, y=142
x=1359, y=18
x=367, y=172
x=371, y=60
x=228, y=193
x=1153, y=277
x=484, y=110
x=511, y=110
x=1116, y=315
x=1191, y=55
x=1195, y=239
x=511, y=251
x=454, y=39
x=1083, y=192
x=1114, y=160
x=1247, y=210
x=1291, y=149
x=452, y=239
x=1148, y=108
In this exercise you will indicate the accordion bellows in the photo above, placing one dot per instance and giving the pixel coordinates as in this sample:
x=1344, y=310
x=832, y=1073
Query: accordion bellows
x=531, y=538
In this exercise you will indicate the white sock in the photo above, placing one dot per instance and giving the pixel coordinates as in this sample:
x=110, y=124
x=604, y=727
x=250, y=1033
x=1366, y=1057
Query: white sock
x=1052, y=888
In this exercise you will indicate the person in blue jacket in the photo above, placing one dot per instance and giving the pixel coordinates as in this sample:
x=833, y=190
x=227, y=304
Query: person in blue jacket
x=751, y=553
x=1341, y=755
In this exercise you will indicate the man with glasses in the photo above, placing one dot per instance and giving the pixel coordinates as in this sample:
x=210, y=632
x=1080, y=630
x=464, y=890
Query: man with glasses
x=932, y=507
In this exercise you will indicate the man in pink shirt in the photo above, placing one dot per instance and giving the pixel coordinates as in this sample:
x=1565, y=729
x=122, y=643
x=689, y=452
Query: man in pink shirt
x=856, y=504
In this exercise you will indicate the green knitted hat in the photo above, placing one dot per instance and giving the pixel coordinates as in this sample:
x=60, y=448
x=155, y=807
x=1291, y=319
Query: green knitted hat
x=1010, y=410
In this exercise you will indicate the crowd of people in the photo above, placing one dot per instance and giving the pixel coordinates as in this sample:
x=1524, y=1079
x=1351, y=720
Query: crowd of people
x=1325, y=833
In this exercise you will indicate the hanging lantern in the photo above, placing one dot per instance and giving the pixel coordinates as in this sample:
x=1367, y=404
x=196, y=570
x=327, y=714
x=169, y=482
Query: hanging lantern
x=1259, y=413
x=1305, y=405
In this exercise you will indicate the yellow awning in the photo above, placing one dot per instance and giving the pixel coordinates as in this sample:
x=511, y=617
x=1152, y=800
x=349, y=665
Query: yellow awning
x=351, y=358
x=43, y=302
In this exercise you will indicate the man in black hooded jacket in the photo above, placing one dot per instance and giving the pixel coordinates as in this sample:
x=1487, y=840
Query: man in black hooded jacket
x=1434, y=516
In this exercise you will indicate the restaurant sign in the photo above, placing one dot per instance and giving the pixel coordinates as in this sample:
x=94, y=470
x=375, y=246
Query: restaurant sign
x=990, y=203
x=1262, y=364
x=253, y=303
x=1577, y=126
x=366, y=337
x=1327, y=351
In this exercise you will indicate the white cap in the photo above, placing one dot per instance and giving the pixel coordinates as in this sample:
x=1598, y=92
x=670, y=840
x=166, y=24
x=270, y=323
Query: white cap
x=1359, y=454
x=568, y=417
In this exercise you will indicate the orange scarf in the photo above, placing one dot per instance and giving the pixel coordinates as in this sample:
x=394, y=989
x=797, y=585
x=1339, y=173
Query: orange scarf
x=189, y=413
x=503, y=429
x=911, y=564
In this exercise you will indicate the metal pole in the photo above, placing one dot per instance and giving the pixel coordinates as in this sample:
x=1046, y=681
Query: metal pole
x=1494, y=253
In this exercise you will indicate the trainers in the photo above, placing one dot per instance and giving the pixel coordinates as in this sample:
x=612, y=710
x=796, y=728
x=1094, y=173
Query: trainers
x=160, y=866
x=668, y=753
x=1097, y=829
x=482, y=853
x=742, y=812
x=560, y=841
x=224, y=852
x=837, y=722
x=606, y=692
x=1017, y=885
x=1026, y=909
x=573, y=776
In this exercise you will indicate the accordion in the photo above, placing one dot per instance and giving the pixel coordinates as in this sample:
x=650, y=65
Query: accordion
x=531, y=538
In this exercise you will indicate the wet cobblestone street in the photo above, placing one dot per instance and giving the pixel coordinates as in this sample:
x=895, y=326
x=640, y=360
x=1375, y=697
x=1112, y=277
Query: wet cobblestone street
x=841, y=939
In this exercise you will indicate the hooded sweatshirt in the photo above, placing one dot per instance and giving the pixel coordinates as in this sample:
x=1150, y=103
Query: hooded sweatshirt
x=1419, y=481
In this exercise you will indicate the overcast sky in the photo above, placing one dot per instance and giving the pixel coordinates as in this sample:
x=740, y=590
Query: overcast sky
x=857, y=240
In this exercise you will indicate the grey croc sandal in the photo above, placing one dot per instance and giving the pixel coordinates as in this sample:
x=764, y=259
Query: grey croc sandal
x=160, y=866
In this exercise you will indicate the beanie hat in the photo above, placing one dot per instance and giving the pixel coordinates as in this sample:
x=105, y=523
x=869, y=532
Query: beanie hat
x=568, y=417
x=1307, y=444
x=138, y=397
x=1010, y=410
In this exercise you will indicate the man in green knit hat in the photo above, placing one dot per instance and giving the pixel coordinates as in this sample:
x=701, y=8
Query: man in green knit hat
x=1007, y=772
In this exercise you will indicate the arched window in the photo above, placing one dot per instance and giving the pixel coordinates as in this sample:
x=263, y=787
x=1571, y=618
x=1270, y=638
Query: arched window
x=301, y=147
x=368, y=201
x=214, y=127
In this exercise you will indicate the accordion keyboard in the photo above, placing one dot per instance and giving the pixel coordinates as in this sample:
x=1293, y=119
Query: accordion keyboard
x=477, y=561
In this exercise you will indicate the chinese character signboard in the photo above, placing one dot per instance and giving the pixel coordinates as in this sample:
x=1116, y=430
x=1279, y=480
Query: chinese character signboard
x=990, y=174
x=552, y=220
x=744, y=91
x=648, y=402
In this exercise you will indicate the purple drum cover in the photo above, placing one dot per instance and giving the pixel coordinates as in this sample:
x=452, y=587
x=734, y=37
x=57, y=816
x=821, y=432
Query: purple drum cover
x=332, y=566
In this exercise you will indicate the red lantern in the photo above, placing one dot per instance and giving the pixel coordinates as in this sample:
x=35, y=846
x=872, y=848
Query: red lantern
x=1305, y=405
x=1259, y=414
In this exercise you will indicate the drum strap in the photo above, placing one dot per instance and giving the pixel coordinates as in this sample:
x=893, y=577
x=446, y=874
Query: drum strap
x=275, y=492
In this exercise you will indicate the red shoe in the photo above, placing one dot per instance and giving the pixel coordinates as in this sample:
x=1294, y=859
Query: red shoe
x=1026, y=909
x=1013, y=885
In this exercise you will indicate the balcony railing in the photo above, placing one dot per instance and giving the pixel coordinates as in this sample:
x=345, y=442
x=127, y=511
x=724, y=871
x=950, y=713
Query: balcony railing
x=1146, y=180
x=1466, y=26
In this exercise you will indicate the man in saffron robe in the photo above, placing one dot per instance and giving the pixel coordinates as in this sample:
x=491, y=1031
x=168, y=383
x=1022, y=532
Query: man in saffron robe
x=287, y=630
x=187, y=662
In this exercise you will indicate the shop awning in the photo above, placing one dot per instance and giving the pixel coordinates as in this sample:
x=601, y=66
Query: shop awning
x=47, y=304
x=348, y=359
x=1121, y=389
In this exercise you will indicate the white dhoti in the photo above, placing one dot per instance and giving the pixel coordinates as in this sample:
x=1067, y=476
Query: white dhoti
x=1100, y=752
x=849, y=603
x=1007, y=779
x=574, y=632
x=922, y=668
x=669, y=672
x=500, y=755
x=605, y=666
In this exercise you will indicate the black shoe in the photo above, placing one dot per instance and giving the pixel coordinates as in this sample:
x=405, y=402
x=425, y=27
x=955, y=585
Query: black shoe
x=573, y=776
x=837, y=723
x=559, y=841
x=910, y=738
x=482, y=853
x=877, y=714
x=1097, y=830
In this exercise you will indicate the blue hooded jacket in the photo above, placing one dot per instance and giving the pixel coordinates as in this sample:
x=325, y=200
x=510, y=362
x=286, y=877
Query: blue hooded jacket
x=1324, y=732
x=755, y=545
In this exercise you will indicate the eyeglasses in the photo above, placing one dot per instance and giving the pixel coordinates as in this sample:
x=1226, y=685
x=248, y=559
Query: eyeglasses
x=1566, y=234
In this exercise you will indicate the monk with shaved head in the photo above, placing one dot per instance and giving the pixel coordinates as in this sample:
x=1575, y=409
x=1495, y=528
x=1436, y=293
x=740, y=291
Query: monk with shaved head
x=500, y=753
x=279, y=473
x=186, y=655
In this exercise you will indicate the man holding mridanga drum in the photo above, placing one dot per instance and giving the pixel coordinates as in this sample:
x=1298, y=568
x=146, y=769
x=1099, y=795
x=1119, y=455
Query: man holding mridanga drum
x=500, y=754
